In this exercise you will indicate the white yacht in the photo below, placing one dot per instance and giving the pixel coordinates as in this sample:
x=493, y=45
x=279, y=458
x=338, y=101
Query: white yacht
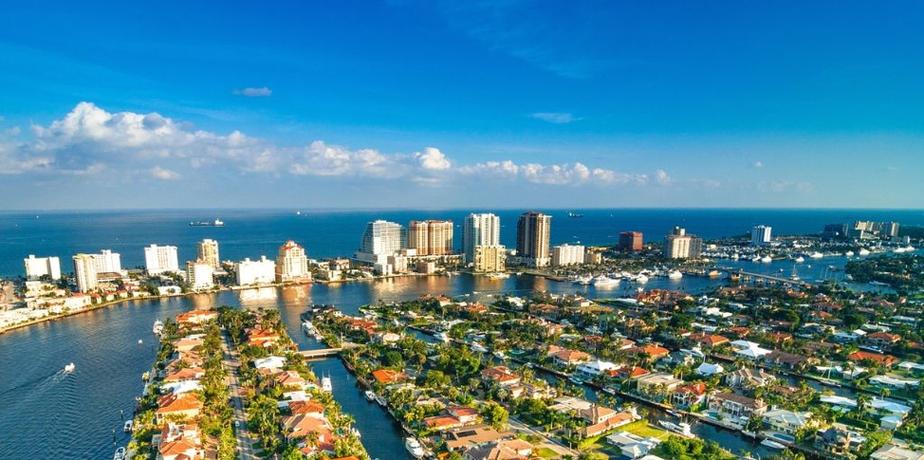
x=863, y=252
x=119, y=454
x=766, y=259
x=127, y=427
x=683, y=429
x=70, y=367
x=849, y=253
x=772, y=444
x=603, y=281
x=443, y=337
x=370, y=396
x=158, y=327
x=326, y=384
x=816, y=255
x=413, y=447
x=479, y=347
x=583, y=280
x=674, y=275
x=800, y=259
x=641, y=279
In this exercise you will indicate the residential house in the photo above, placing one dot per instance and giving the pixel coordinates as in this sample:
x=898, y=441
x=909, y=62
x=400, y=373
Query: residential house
x=687, y=396
x=749, y=378
x=878, y=358
x=785, y=360
x=882, y=340
x=838, y=440
x=567, y=357
x=596, y=368
x=184, y=406
x=735, y=407
x=657, y=385
x=506, y=449
x=786, y=421
x=501, y=375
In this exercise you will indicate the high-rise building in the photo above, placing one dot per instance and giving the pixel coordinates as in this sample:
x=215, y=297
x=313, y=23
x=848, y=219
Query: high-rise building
x=208, y=253
x=679, y=245
x=490, y=258
x=533, y=233
x=261, y=271
x=380, y=240
x=200, y=274
x=630, y=241
x=85, y=272
x=107, y=262
x=567, y=254
x=160, y=259
x=430, y=237
x=292, y=263
x=761, y=235
x=479, y=230
x=890, y=229
x=37, y=267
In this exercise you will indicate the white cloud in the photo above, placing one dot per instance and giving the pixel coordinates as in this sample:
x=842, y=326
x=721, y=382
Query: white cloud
x=433, y=160
x=555, y=174
x=164, y=174
x=261, y=91
x=661, y=177
x=558, y=118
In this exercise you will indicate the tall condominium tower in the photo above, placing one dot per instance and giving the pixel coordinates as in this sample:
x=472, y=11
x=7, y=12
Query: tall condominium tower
x=479, y=230
x=208, y=253
x=533, y=232
x=292, y=263
x=160, y=259
x=85, y=272
x=430, y=237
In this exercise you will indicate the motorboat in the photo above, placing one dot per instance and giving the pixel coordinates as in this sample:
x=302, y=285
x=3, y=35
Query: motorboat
x=326, y=384
x=413, y=447
x=443, y=337
x=772, y=444
x=128, y=426
x=641, y=278
x=714, y=273
x=816, y=255
x=119, y=454
x=381, y=401
x=766, y=259
x=849, y=253
x=674, y=275
x=158, y=327
x=479, y=347
x=498, y=276
x=140, y=341
x=583, y=280
x=370, y=396
x=755, y=259
x=863, y=252
x=499, y=354
x=69, y=367
x=575, y=380
x=682, y=428
x=800, y=259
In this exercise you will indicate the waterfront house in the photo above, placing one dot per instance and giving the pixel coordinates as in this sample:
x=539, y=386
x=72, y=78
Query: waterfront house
x=601, y=419
x=567, y=357
x=312, y=408
x=179, y=442
x=184, y=406
x=882, y=340
x=707, y=340
x=749, y=378
x=650, y=352
x=183, y=375
x=878, y=358
x=657, y=385
x=737, y=408
x=687, y=396
x=631, y=445
x=301, y=427
x=464, y=438
x=385, y=338
x=748, y=349
x=505, y=449
x=188, y=343
x=289, y=379
x=785, y=360
x=595, y=368
x=388, y=376
x=786, y=421
x=465, y=415
x=441, y=422
x=262, y=338
x=708, y=369
x=196, y=317
x=631, y=372
x=838, y=440
x=501, y=375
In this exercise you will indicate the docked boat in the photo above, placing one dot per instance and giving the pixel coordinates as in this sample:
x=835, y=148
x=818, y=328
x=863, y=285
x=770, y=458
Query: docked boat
x=575, y=380
x=326, y=384
x=849, y=253
x=603, y=281
x=479, y=347
x=158, y=327
x=413, y=447
x=128, y=426
x=145, y=376
x=370, y=396
x=443, y=337
x=816, y=255
x=499, y=354
x=674, y=275
x=583, y=280
x=119, y=454
x=69, y=367
x=381, y=401
x=682, y=428
x=308, y=328
x=766, y=259
x=641, y=279
x=800, y=259
x=772, y=444
x=498, y=276
x=714, y=273
x=863, y=252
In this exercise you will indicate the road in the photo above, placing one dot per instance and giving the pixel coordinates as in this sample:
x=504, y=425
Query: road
x=245, y=439
x=548, y=440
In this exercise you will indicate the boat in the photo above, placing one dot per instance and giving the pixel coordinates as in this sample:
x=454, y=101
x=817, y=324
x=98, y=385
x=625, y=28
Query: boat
x=158, y=327
x=119, y=454
x=816, y=255
x=641, y=279
x=206, y=223
x=609, y=391
x=583, y=280
x=603, y=281
x=498, y=276
x=863, y=252
x=370, y=396
x=772, y=444
x=499, y=354
x=381, y=401
x=479, y=347
x=140, y=341
x=714, y=273
x=145, y=376
x=326, y=384
x=682, y=428
x=800, y=259
x=575, y=380
x=849, y=253
x=127, y=427
x=575, y=215
x=766, y=259
x=413, y=447
x=70, y=367
x=443, y=337
x=308, y=328
x=674, y=275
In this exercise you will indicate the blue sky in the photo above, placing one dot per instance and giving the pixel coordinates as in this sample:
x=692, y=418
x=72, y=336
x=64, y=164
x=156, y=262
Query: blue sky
x=461, y=104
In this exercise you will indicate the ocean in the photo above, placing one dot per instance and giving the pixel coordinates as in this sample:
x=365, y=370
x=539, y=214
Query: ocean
x=252, y=233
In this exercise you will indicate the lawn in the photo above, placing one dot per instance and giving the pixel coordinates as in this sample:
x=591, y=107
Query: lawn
x=643, y=429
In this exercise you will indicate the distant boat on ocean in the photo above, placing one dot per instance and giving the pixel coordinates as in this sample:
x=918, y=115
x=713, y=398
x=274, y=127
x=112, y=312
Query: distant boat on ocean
x=575, y=214
x=206, y=223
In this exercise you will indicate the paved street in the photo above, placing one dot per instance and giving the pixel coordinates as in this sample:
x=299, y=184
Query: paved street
x=245, y=440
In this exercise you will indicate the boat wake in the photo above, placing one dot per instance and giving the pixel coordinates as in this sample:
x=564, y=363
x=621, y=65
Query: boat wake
x=39, y=383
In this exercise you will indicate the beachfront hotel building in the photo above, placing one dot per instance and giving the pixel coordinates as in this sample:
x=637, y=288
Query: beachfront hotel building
x=761, y=235
x=208, y=253
x=161, y=259
x=430, y=237
x=37, y=267
x=380, y=240
x=107, y=262
x=567, y=254
x=85, y=272
x=200, y=275
x=292, y=263
x=479, y=230
x=631, y=241
x=533, y=233
x=250, y=272
x=490, y=259
x=679, y=245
